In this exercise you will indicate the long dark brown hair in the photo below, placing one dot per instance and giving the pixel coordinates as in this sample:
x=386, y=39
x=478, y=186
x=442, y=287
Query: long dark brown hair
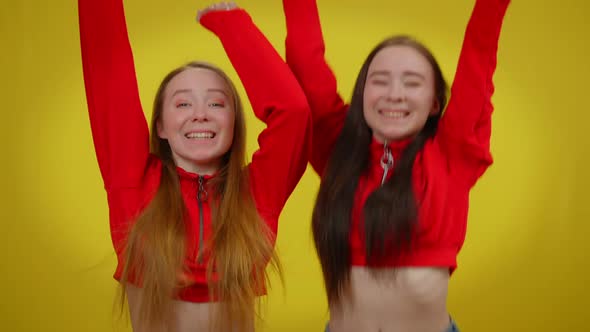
x=391, y=211
x=241, y=244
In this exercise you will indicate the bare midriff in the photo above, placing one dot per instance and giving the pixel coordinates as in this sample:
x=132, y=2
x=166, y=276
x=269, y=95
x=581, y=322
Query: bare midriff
x=404, y=299
x=187, y=316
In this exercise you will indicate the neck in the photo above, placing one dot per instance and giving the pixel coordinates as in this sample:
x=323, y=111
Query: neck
x=209, y=168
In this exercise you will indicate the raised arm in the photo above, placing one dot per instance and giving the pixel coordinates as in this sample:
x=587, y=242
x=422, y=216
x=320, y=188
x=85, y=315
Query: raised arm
x=465, y=128
x=119, y=128
x=277, y=100
x=305, y=56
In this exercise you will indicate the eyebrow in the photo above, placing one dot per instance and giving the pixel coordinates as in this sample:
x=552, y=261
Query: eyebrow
x=379, y=73
x=405, y=73
x=413, y=73
x=218, y=90
x=179, y=91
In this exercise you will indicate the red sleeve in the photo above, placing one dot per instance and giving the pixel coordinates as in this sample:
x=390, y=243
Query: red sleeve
x=465, y=128
x=119, y=128
x=277, y=100
x=305, y=56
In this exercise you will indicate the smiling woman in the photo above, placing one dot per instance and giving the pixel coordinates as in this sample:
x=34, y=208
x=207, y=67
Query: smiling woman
x=391, y=213
x=193, y=226
x=198, y=122
x=398, y=98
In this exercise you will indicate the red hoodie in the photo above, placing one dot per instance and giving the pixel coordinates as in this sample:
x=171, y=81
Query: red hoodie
x=445, y=169
x=132, y=175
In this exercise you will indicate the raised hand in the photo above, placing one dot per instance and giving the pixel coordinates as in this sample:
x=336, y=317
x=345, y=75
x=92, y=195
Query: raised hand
x=219, y=6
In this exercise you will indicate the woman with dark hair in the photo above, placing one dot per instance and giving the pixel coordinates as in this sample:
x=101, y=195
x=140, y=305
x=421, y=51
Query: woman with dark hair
x=193, y=226
x=396, y=172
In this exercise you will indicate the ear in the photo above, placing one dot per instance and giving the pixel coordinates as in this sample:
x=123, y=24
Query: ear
x=435, y=107
x=160, y=129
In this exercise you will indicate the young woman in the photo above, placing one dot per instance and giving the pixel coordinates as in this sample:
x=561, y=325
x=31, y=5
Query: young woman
x=193, y=226
x=391, y=212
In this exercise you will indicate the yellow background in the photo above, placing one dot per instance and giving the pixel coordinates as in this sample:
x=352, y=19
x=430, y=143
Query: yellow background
x=523, y=266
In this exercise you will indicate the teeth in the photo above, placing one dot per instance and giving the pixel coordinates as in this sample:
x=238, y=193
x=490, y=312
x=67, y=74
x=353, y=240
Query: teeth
x=394, y=114
x=200, y=135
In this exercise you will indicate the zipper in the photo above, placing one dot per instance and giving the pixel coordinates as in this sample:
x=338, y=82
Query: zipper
x=201, y=197
x=386, y=161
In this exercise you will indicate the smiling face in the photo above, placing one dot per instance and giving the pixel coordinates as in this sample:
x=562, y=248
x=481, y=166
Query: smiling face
x=399, y=93
x=197, y=119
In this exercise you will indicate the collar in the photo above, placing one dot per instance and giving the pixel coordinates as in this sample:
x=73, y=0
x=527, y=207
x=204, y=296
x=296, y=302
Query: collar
x=184, y=174
x=377, y=150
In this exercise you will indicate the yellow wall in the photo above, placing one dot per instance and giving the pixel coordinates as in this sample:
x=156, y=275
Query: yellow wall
x=523, y=266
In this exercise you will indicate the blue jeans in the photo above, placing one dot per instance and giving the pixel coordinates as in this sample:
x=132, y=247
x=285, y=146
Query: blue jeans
x=452, y=327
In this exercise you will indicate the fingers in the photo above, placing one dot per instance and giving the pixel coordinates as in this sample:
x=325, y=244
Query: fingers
x=219, y=6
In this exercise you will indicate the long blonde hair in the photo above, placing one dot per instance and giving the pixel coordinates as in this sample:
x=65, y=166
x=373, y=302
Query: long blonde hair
x=241, y=244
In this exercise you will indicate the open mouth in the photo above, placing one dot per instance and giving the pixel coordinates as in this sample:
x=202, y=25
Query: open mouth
x=394, y=114
x=200, y=135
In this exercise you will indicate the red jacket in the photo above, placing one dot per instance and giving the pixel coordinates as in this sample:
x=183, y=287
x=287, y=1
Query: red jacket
x=449, y=164
x=132, y=175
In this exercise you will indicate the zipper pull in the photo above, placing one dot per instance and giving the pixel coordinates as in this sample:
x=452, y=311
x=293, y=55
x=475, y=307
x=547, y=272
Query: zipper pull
x=202, y=192
x=386, y=162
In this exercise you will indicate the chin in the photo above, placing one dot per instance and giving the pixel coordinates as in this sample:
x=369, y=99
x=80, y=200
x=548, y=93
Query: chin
x=394, y=136
x=206, y=158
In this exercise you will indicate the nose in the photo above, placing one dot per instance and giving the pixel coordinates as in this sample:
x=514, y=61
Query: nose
x=396, y=92
x=199, y=114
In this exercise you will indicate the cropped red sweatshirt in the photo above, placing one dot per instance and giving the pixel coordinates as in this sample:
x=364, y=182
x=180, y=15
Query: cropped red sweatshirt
x=132, y=175
x=445, y=169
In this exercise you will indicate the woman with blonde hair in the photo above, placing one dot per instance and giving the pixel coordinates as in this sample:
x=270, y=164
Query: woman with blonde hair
x=192, y=224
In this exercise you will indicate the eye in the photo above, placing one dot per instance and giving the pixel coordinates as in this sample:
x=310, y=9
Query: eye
x=412, y=83
x=183, y=104
x=378, y=82
x=217, y=104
